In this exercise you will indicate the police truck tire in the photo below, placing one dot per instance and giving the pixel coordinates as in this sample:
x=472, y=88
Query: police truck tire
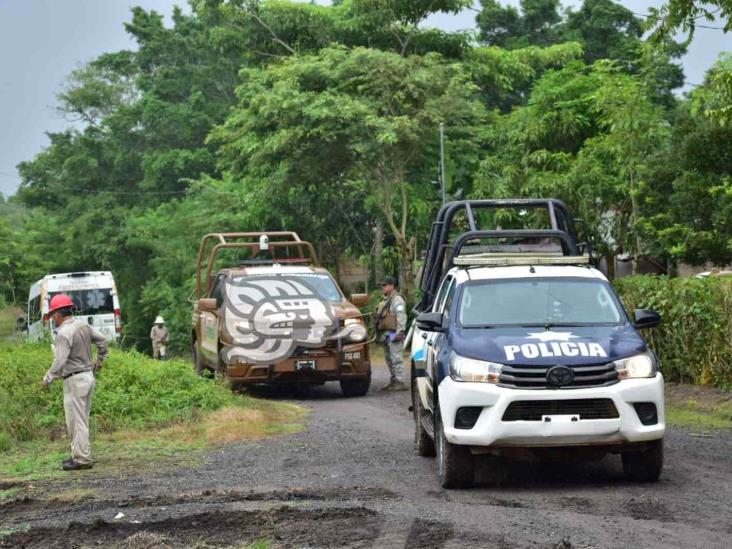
x=454, y=462
x=423, y=443
x=356, y=387
x=646, y=465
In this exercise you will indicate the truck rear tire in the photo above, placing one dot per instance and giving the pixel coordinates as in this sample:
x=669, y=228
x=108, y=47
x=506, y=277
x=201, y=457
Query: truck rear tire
x=423, y=443
x=197, y=364
x=646, y=465
x=454, y=462
x=356, y=387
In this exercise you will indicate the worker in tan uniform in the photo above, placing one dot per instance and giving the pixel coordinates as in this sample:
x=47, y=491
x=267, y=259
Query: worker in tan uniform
x=391, y=326
x=160, y=337
x=72, y=362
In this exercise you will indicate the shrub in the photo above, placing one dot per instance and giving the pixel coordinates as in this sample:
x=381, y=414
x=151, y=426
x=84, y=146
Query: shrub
x=694, y=341
x=133, y=391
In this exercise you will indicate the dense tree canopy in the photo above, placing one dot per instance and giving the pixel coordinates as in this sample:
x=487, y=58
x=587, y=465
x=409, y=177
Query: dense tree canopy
x=247, y=115
x=604, y=29
x=686, y=15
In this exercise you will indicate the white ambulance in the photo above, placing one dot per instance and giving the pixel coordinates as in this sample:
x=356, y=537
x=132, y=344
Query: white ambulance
x=94, y=294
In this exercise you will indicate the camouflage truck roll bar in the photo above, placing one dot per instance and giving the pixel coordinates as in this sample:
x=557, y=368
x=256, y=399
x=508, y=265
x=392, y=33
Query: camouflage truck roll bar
x=435, y=265
x=303, y=252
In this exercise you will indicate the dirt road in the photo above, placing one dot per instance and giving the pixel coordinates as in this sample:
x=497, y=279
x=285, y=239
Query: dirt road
x=351, y=479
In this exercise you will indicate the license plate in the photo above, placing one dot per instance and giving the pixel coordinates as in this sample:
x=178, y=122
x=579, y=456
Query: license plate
x=560, y=418
x=304, y=365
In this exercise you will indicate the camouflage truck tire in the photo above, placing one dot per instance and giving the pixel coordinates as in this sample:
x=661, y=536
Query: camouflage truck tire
x=356, y=387
x=197, y=364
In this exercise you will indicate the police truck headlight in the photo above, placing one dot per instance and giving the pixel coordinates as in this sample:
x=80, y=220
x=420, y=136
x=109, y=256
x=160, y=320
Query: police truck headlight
x=356, y=330
x=469, y=369
x=642, y=365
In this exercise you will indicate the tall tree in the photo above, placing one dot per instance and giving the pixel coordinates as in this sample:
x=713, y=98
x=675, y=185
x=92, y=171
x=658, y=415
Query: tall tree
x=537, y=23
x=588, y=135
x=605, y=29
x=360, y=120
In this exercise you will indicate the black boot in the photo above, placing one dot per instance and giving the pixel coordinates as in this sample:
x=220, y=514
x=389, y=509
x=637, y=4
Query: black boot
x=72, y=465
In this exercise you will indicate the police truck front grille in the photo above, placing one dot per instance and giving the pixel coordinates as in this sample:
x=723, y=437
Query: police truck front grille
x=585, y=408
x=534, y=377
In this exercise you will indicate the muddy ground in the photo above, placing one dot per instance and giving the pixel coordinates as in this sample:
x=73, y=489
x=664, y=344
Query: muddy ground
x=351, y=479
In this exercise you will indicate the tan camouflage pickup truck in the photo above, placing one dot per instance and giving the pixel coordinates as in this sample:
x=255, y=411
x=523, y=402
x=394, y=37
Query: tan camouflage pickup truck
x=267, y=313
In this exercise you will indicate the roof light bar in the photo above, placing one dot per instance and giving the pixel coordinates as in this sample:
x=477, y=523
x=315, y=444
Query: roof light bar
x=491, y=260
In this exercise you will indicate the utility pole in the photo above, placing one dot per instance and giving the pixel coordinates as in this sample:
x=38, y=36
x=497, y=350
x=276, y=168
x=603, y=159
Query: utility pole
x=442, y=161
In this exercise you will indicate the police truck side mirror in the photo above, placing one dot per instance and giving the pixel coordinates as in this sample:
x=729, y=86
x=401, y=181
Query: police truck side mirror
x=646, y=318
x=207, y=304
x=431, y=322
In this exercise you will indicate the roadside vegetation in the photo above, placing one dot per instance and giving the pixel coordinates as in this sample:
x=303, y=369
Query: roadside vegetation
x=143, y=411
x=8, y=318
x=694, y=340
x=700, y=409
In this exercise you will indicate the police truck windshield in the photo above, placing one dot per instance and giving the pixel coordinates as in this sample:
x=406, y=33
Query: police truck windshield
x=95, y=301
x=538, y=302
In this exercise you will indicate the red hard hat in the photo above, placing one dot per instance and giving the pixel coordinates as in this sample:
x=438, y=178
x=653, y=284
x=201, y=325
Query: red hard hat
x=60, y=301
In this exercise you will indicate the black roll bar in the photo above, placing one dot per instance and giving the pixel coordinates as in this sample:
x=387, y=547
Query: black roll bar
x=559, y=217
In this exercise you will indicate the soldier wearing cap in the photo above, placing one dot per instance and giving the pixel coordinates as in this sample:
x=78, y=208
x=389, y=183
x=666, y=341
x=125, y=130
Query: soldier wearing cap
x=160, y=337
x=72, y=362
x=391, y=326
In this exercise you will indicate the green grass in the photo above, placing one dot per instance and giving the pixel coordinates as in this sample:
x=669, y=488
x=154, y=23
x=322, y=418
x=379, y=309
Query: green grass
x=260, y=544
x=4, y=532
x=8, y=318
x=694, y=415
x=144, y=412
x=9, y=493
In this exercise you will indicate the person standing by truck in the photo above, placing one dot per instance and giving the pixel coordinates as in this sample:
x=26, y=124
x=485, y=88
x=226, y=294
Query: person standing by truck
x=72, y=362
x=160, y=337
x=391, y=326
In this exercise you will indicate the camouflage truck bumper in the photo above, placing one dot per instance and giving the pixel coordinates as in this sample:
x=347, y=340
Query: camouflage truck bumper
x=306, y=366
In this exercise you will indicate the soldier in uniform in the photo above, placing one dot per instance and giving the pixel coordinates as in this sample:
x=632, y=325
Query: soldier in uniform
x=159, y=336
x=391, y=327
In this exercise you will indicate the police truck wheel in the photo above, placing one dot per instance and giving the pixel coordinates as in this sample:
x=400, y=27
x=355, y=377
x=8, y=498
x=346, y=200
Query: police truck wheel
x=424, y=445
x=356, y=387
x=454, y=462
x=644, y=466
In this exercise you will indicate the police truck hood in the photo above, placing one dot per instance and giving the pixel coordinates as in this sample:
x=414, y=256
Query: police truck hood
x=569, y=345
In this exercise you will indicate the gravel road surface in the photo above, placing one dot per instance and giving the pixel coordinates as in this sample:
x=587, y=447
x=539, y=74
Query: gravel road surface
x=352, y=479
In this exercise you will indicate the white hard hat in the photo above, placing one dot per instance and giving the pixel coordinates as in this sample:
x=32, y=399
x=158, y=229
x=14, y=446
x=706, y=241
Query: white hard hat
x=159, y=320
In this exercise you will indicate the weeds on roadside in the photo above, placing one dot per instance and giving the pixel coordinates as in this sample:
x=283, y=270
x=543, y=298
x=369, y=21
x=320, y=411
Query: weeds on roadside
x=141, y=408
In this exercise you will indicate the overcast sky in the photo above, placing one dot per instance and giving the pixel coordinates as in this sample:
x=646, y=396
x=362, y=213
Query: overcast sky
x=41, y=41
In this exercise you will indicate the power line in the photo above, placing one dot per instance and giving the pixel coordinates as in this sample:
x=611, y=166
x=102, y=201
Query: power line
x=648, y=16
x=146, y=193
x=104, y=191
x=705, y=14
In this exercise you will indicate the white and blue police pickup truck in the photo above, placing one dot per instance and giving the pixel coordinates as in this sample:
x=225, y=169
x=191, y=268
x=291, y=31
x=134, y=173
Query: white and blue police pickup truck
x=523, y=347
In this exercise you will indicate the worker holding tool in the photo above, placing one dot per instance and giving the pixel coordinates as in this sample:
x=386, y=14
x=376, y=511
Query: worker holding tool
x=72, y=362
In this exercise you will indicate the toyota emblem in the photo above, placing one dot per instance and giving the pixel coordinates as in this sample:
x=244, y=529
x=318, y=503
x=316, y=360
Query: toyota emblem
x=559, y=376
